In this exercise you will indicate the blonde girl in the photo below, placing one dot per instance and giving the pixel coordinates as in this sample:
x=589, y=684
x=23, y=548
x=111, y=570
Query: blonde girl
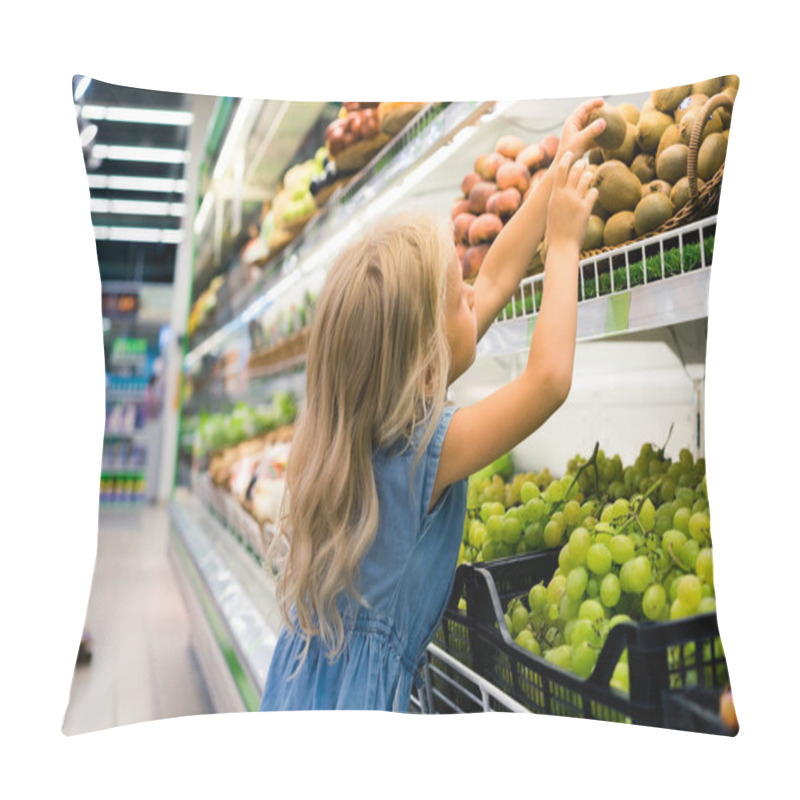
x=376, y=480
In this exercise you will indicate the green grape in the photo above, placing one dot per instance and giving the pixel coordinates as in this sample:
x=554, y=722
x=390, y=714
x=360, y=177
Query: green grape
x=514, y=513
x=553, y=532
x=667, y=489
x=684, y=496
x=621, y=508
x=579, y=543
x=634, y=575
x=584, y=630
x=686, y=458
x=533, y=535
x=582, y=659
x=621, y=548
x=486, y=511
x=655, y=469
x=572, y=513
x=528, y=491
x=565, y=561
x=687, y=553
x=489, y=551
x=700, y=527
x=654, y=601
x=708, y=591
x=663, y=560
x=537, y=598
x=511, y=530
x=477, y=534
x=522, y=548
x=592, y=610
x=679, y=610
x=504, y=549
x=507, y=619
x=589, y=522
x=593, y=587
x=610, y=590
x=673, y=540
x=533, y=510
x=577, y=579
x=555, y=589
x=704, y=566
x=494, y=528
x=680, y=521
x=601, y=537
x=606, y=515
x=568, y=607
x=690, y=591
x=707, y=605
x=598, y=559
x=588, y=508
x=560, y=656
x=519, y=619
x=558, y=516
x=555, y=492
x=701, y=504
x=526, y=639
x=647, y=515
x=469, y=554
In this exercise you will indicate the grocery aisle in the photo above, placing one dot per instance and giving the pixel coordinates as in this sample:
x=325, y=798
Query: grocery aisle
x=142, y=666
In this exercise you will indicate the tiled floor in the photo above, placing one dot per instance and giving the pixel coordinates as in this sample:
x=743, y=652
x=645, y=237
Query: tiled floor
x=142, y=666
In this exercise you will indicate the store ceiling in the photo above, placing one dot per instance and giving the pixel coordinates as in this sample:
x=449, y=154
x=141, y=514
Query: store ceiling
x=137, y=222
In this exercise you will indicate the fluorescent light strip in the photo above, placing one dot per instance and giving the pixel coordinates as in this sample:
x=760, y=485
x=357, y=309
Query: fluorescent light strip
x=125, y=183
x=138, y=207
x=147, y=116
x=236, y=134
x=161, y=155
x=80, y=89
x=154, y=235
x=203, y=213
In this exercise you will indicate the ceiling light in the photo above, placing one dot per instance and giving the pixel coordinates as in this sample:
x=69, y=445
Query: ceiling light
x=151, y=235
x=147, y=116
x=138, y=207
x=161, y=155
x=80, y=89
x=88, y=135
x=129, y=183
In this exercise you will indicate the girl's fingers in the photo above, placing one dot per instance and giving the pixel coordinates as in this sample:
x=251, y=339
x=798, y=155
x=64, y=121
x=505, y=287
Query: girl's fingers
x=591, y=198
x=562, y=170
x=578, y=169
x=585, y=182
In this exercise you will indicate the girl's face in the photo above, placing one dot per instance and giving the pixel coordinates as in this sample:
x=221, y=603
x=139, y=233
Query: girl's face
x=461, y=324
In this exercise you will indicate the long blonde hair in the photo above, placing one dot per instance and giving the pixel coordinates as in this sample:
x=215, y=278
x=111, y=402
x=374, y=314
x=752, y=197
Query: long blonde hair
x=376, y=376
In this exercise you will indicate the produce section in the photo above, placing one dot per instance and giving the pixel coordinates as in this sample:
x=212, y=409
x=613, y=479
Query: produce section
x=585, y=582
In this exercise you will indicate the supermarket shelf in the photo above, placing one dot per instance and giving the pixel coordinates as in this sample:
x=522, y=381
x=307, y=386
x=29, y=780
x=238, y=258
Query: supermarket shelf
x=394, y=171
x=236, y=596
x=625, y=307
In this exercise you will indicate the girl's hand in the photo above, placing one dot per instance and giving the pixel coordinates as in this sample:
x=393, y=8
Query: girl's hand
x=571, y=202
x=576, y=138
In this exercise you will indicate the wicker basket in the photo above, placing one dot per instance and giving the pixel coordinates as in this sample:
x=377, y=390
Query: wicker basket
x=703, y=202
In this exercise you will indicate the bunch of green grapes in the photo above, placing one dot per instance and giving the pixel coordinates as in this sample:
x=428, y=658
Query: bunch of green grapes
x=634, y=562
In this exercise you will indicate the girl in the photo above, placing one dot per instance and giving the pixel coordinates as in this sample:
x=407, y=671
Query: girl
x=376, y=481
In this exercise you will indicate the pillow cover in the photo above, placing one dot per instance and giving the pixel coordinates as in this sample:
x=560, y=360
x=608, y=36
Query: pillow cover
x=584, y=584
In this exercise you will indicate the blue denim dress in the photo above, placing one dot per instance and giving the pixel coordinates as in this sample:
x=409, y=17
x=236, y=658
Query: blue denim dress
x=406, y=578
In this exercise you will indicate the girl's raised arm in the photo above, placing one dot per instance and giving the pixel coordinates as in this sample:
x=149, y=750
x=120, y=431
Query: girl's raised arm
x=480, y=433
x=511, y=253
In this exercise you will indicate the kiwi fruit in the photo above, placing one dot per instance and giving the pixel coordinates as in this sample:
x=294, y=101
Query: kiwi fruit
x=629, y=111
x=724, y=116
x=725, y=134
x=711, y=156
x=670, y=99
x=671, y=135
x=656, y=186
x=618, y=188
x=646, y=106
x=644, y=167
x=692, y=101
x=594, y=234
x=680, y=192
x=671, y=164
x=626, y=151
x=731, y=91
x=595, y=156
x=652, y=212
x=731, y=80
x=650, y=129
x=614, y=134
x=710, y=87
x=619, y=228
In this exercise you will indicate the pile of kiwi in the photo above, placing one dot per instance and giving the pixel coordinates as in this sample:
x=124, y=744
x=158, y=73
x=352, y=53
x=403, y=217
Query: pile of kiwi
x=640, y=160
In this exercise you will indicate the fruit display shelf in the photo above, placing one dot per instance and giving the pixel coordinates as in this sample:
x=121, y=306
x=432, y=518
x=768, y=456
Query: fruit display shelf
x=616, y=295
x=231, y=601
x=394, y=171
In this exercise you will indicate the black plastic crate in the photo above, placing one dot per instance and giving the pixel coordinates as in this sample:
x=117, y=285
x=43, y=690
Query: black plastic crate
x=662, y=657
x=695, y=709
